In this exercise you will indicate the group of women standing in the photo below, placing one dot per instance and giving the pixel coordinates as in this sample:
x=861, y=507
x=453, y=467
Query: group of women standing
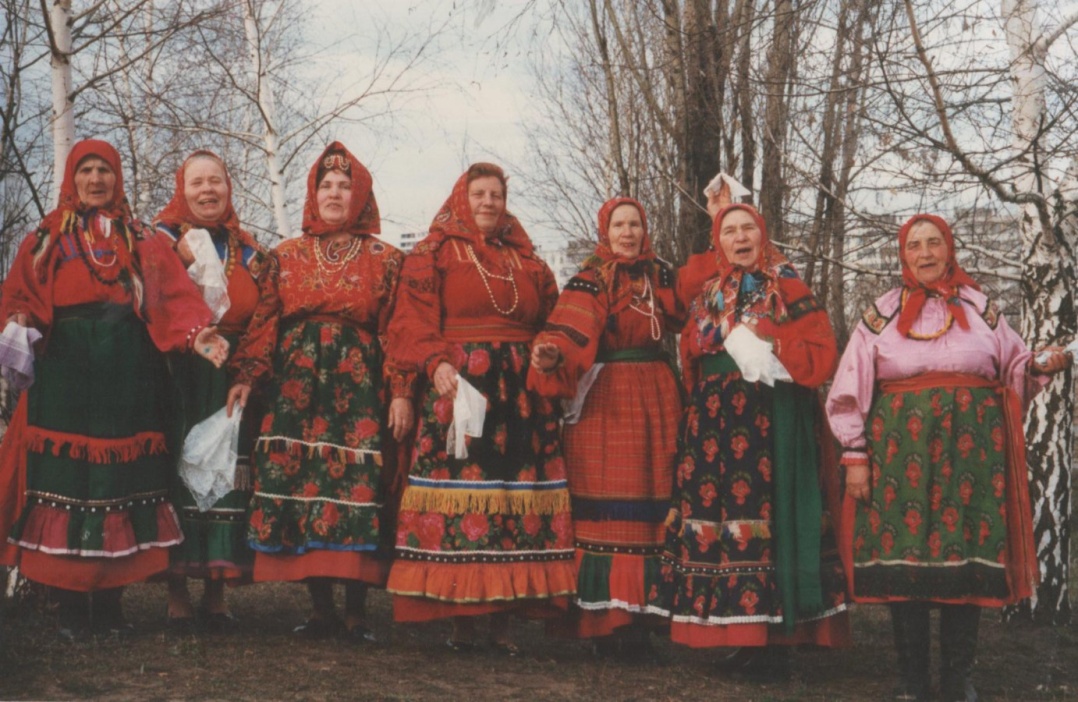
x=401, y=426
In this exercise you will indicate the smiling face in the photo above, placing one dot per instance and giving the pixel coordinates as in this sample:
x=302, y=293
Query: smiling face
x=926, y=252
x=95, y=182
x=740, y=238
x=333, y=197
x=205, y=188
x=625, y=231
x=486, y=197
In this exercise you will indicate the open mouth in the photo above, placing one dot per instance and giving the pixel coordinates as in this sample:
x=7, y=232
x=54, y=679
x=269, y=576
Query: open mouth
x=743, y=251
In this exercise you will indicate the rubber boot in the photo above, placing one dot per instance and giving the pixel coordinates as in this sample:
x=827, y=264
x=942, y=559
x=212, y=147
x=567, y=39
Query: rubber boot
x=910, y=622
x=959, y=626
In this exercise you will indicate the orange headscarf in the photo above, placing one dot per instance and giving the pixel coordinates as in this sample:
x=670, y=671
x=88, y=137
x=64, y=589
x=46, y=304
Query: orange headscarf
x=917, y=293
x=606, y=263
x=455, y=220
x=178, y=215
x=363, y=218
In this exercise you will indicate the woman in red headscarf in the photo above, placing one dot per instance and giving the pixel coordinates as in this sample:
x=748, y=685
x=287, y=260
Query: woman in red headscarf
x=215, y=540
x=747, y=562
x=928, y=404
x=484, y=528
x=315, y=345
x=109, y=296
x=620, y=435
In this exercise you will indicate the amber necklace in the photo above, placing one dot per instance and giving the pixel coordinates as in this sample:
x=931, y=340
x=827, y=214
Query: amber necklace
x=648, y=296
x=486, y=275
x=934, y=335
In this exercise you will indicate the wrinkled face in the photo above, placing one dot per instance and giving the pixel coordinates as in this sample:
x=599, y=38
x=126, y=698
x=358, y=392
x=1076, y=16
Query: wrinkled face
x=740, y=238
x=926, y=252
x=626, y=231
x=205, y=188
x=486, y=196
x=333, y=197
x=95, y=182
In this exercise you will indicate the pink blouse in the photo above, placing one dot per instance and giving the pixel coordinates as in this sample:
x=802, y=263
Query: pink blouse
x=990, y=349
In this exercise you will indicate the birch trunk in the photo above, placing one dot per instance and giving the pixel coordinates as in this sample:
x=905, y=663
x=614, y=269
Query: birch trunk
x=266, y=108
x=63, y=109
x=1048, y=316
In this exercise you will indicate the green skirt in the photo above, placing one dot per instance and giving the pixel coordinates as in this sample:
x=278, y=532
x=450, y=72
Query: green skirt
x=215, y=541
x=97, y=464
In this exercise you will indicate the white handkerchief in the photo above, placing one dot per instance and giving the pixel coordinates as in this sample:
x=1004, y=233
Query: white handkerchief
x=207, y=464
x=571, y=408
x=469, y=414
x=207, y=272
x=754, y=357
x=737, y=190
x=17, y=354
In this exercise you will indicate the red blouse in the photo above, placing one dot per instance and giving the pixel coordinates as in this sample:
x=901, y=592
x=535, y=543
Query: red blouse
x=582, y=324
x=445, y=299
x=293, y=284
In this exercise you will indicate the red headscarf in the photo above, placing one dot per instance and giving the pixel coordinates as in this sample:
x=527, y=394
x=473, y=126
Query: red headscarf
x=917, y=293
x=606, y=263
x=178, y=215
x=363, y=218
x=455, y=220
x=63, y=218
x=721, y=292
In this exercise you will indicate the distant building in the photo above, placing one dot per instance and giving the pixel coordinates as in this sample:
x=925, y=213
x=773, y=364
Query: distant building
x=408, y=240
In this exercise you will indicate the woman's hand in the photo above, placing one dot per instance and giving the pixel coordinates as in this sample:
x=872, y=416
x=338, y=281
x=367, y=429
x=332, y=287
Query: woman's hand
x=19, y=318
x=857, y=482
x=546, y=357
x=401, y=417
x=212, y=346
x=237, y=394
x=718, y=200
x=445, y=380
x=1050, y=360
x=184, y=251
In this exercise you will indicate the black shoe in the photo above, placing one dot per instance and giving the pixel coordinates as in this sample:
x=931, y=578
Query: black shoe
x=770, y=665
x=220, y=622
x=959, y=626
x=911, y=631
x=359, y=634
x=319, y=628
x=180, y=626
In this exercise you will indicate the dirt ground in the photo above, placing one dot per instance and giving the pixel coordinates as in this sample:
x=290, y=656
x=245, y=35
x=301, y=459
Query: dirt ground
x=263, y=660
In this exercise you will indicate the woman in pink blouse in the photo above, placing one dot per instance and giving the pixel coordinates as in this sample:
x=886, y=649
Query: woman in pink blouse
x=928, y=404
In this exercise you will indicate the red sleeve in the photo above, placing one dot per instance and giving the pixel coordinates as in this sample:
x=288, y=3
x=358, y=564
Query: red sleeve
x=399, y=377
x=699, y=269
x=576, y=328
x=548, y=290
x=414, y=337
x=25, y=292
x=806, y=343
x=253, y=360
x=175, y=310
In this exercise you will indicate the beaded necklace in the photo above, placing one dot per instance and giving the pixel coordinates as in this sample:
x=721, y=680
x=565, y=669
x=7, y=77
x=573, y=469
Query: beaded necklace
x=86, y=254
x=947, y=322
x=648, y=296
x=331, y=262
x=485, y=276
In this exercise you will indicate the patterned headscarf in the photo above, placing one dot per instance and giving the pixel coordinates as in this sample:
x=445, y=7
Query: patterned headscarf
x=455, y=218
x=916, y=293
x=178, y=215
x=363, y=218
x=720, y=294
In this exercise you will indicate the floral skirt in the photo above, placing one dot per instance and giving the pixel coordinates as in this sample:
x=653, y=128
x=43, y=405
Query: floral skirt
x=720, y=583
x=620, y=459
x=215, y=541
x=936, y=525
x=317, y=501
x=97, y=512
x=492, y=531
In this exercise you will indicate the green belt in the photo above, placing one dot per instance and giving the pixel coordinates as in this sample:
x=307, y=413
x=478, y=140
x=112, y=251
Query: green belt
x=717, y=363
x=631, y=356
x=108, y=311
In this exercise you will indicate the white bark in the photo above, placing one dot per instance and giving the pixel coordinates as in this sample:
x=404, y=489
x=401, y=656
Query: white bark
x=264, y=95
x=1047, y=312
x=63, y=110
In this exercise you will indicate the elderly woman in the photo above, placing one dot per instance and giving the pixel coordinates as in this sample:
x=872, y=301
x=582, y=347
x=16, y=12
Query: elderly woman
x=928, y=404
x=487, y=532
x=215, y=541
x=747, y=562
x=109, y=296
x=314, y=343
x=620, y=445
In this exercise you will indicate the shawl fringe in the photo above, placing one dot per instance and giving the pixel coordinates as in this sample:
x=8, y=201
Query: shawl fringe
x=95, y=450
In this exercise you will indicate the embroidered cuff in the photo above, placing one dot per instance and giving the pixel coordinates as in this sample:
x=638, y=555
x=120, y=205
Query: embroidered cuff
x=189, y=342
x=854, y=457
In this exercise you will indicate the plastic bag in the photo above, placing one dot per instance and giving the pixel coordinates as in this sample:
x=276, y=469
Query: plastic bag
x=208, y=462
